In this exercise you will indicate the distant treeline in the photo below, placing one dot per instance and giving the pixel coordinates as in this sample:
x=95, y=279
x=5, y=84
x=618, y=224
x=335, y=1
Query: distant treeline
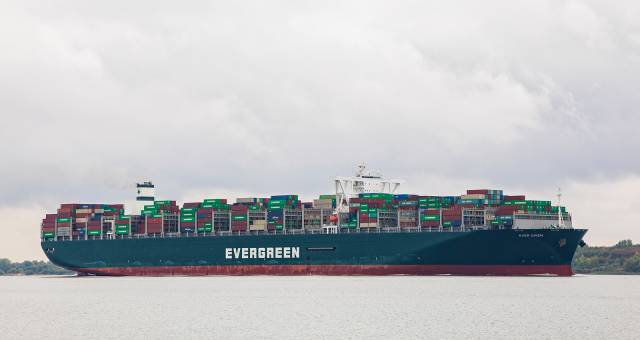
x=623, y=258
x=31, y=268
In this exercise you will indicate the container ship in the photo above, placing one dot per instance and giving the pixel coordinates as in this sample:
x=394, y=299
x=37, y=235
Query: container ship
x=364, y=228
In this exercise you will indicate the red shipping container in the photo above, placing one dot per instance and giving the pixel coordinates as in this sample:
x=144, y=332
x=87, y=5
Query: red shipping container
x=514, y=197
x=65, y=210
x=171, y=210
x=430, y=223
x=153, y=229
x=64, y=214
x=239, y=208
x=506, y=210
x=431, y=212
x=191, y=205
x=48, y=229
x=477, y=191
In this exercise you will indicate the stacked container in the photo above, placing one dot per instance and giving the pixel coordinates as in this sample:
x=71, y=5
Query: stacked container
x=325, y=202
x=430, y=218
x=94, y=226
x=153, y=225
x=239, y=217
x=204, y=220
x=452, y=217
x=188, y=220
x=48, y=226
x=277, y=212
x=367, y=211
x=407, y=210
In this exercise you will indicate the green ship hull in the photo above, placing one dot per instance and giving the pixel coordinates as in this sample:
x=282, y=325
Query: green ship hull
x=482, y=252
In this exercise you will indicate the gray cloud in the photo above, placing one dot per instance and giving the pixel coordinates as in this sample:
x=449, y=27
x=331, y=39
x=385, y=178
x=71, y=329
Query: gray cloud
x=281, y=97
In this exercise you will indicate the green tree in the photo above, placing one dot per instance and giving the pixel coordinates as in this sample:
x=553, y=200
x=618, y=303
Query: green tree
x=624, y=244
x=31, y=268
x=632, y=264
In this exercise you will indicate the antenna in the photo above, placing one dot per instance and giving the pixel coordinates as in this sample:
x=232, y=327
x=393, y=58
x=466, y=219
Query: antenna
x=560, y=221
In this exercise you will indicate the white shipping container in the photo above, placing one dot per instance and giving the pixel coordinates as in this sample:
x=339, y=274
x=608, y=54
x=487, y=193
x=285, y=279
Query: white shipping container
x=322, y=204
x=258, y=225
x=473, y=197
x=83, y=211
x=63, y=231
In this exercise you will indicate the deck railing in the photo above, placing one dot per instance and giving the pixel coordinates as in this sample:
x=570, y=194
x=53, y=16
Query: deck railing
x=110, y=236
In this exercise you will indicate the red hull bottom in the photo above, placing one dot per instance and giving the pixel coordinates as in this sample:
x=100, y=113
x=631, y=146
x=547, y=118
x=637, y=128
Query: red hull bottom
x=477, y=270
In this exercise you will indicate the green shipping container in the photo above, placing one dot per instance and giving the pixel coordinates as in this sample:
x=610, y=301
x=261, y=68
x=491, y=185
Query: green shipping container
x=63, y=220
x=327, y=197
x=48, y=234
x=213, y=200
x=94, y=232
x=429, y=217
x=239, y=218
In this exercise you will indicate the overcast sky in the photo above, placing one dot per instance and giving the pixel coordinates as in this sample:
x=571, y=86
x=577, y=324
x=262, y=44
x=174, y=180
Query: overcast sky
x=213, y=98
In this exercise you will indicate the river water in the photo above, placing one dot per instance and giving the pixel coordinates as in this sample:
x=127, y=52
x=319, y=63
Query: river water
x=317, y=307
